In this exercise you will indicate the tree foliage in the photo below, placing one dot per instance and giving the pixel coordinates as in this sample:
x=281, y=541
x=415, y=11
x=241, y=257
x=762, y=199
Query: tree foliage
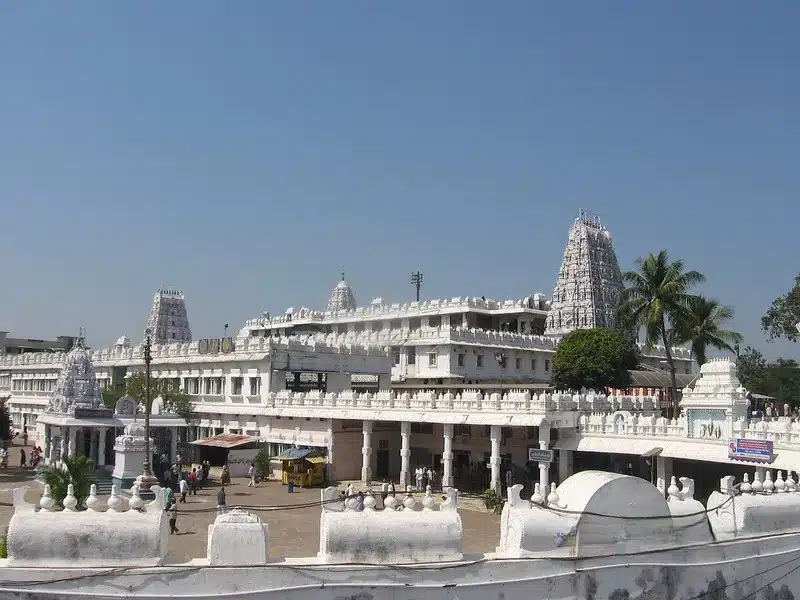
x=5, y=421
x=112, y=394
x=701, y=325
x=262, y=463
x=783, y=315
x=595, y=359
x=175, y=399
x=779, y=379
x=78, y=470
x=654, y=299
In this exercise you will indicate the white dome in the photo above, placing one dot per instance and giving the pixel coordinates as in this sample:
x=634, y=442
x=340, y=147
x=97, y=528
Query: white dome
x=342, y=297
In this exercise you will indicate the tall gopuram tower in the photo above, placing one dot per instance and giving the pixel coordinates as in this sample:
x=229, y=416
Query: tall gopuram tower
x=589, y=283
x=168, y=322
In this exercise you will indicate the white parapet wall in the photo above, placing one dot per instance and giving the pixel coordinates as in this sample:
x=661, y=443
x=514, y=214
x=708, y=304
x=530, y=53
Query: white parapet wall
x=594, y=512
x=756, y=506
x=101, y=536
x=403, y=532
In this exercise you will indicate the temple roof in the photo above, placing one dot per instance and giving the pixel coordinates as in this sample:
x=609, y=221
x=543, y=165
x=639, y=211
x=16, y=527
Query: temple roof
x=342, y=297
x=77, y=384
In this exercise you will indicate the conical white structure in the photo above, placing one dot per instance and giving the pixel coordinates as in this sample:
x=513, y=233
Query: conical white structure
x=589, y=283
x=342, y=298
x=76, y=385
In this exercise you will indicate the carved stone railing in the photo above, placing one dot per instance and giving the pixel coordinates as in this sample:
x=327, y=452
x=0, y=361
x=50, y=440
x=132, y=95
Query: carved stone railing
x=404, y=531
x=103, y=535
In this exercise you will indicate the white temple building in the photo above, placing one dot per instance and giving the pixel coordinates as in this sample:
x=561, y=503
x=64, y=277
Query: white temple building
x=457, y=384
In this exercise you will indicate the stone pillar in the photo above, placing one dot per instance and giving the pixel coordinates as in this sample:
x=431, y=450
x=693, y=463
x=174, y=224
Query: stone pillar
x=405, y=454
x=664, y=469
x=64, y=440
x=48, y=444
x=329, y=466
x=566, y=465
x=366, y=452
x=173, y=445
x=544, y=469
x=494, y=461
x=447, y=456
x=73, y=432
x=92, y=443
x=101, y=447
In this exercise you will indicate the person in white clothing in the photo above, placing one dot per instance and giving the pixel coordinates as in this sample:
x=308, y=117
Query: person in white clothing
x=252, y=474
x=183, y=487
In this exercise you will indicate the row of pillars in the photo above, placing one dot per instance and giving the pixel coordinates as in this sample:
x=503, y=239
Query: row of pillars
x=97, y=443
x=447, y=455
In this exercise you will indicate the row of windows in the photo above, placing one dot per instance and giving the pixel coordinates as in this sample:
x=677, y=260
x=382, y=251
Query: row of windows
x=462, y=360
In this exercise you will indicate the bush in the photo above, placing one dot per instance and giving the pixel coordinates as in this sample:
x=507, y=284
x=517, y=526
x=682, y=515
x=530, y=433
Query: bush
x=493, y=501
x=4, y=547
x=262, y=461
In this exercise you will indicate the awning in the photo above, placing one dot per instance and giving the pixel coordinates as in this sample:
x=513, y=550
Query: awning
x=317, y=459
x=298, y=453
x=226, y=440
x=660, y=379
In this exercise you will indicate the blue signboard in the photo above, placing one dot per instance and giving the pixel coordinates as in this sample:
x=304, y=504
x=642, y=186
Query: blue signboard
x=752, y=450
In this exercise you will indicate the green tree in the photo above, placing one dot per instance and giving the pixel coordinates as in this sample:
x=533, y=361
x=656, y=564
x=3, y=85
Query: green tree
x=595, y=359
x=701, y=326
x=654, y=298
x=176, y=401
x=751, y=368
x=782, y=317
x=78, y=470
x=5, y=421
x=112, y=394
x=262, y=462
x=779, y=379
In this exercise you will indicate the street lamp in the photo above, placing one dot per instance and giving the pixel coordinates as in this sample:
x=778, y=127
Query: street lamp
x=146, y=480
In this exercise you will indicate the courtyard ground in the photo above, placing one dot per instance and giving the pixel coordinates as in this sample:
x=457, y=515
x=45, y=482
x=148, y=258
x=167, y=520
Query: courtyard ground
x=292, y=533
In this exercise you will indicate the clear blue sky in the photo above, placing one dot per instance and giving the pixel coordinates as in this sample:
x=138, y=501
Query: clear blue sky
x=243, y=151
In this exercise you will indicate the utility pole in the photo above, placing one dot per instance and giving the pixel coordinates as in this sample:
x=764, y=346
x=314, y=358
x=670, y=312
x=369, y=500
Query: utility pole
x=146, y=480
x=416, y=281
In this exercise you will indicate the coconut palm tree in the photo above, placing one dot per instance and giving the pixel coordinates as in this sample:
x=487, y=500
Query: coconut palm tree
x=655, y=297
x=78, y=470
x=701, y=326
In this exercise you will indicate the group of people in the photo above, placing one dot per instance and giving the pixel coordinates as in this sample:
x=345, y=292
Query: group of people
x=424, y=477
x=30, y=460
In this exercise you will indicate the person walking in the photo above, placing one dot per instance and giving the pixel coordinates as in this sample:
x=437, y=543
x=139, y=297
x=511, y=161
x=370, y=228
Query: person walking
x=251, y=472
x=221, y=501
x=22, y=458
x=183, y=487
x=172, y=510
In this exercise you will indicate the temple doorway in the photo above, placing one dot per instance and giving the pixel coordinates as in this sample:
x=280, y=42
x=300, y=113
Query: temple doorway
x=382, y=466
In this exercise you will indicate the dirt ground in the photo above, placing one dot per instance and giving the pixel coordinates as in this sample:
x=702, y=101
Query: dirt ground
x=292, y=532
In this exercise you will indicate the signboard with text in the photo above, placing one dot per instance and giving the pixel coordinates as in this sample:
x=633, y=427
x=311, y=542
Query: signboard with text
x=752, y=450
x=239, y=461
x=539, y=455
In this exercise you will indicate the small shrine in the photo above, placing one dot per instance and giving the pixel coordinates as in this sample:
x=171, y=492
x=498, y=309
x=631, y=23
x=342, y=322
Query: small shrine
x=77, y=422
x=716, y=401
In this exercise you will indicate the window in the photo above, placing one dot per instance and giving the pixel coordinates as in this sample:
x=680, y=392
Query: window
x=422, y=428
x=547, y=366
x=411, y=355
x=479, y=361
x=414, y=324
x=461, y=357
x=435, y=321
x=517, y=363
x=255, y=386
x=462, y=430
x=236, y=386
x=432, y=360
x=533, y=364
x=395, y=355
